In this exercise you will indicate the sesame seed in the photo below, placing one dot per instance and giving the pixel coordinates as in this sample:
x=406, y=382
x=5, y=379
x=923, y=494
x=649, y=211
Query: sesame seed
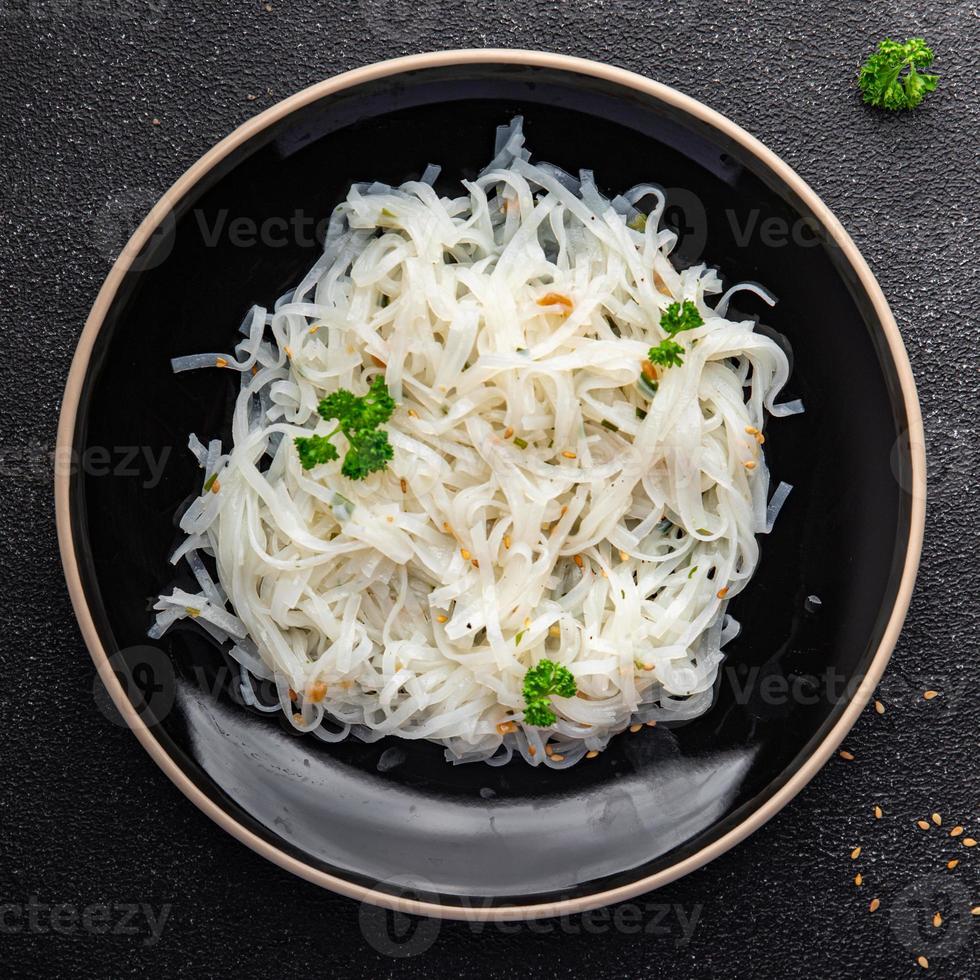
x=859, y=879
x=413, y=413
x=390, y=519
x=623, y=556
x=507, y=541
x=929, y=695
x=293, y=696
x=508, y=432
x=298, y=718
x=527, y=621
x=751, y=430
x=591, y=754
x=403, y=483
x=648, y=666
x=578, y=561
x=922, y=824
x=554, y=630
x=216, y=486
x=952, y=864
x=506, y=727
x=548, y=749
x=975, y=910
x=878, y=813
x=969, y=842
x=875, y=905
x=937, y=920
x=220, y=362
x=635, y=728
x=879, y=707
x=956, y=831
x=442, y=619
x=466, y=555
x=721, y=593
x=651, y=724
x=856, y=853
x=937, y=819
x=314, y=328
x=555, y=757
x=750, y=464
x=288, y=350
x=318, y=692
x=844, y=754
x=532, y=751
x=760, y=438
x=923, y=962
x=475, y=563
x=569, y=455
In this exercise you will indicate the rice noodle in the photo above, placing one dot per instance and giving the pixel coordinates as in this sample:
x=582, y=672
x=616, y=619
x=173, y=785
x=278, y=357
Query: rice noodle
x=544, y=500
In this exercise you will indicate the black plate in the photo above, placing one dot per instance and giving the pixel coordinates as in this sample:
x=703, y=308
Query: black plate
x=475, y=834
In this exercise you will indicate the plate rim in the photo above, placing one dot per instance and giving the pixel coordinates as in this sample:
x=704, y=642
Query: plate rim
x=539, y=59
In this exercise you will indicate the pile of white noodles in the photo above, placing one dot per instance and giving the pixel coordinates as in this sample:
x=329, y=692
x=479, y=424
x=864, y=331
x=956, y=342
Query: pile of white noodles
x=545, y=500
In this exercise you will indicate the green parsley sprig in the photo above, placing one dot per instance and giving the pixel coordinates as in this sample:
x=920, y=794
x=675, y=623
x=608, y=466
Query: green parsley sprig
x=667, y=354
x=358, y=418
x=882, y=82
x=675, y=319
x=543, y=681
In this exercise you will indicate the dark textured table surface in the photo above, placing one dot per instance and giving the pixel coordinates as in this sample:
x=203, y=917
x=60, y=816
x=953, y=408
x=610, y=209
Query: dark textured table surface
x=106, y=870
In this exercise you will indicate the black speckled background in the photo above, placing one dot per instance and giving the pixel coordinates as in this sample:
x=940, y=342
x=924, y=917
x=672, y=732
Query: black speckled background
x=86, y=820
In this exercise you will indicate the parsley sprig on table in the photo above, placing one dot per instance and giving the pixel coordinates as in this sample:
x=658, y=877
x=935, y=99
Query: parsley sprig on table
x=882, y=82
x=675, y=319
x=541, y=682
x=358, y=418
